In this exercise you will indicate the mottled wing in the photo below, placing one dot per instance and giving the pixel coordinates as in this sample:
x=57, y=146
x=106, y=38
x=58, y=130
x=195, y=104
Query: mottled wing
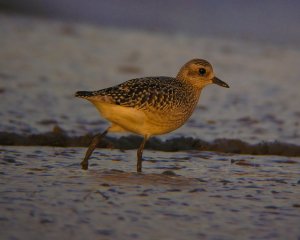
x=143, y=93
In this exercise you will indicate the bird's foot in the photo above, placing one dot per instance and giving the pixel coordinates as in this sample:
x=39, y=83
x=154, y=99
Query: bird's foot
x=84, y=165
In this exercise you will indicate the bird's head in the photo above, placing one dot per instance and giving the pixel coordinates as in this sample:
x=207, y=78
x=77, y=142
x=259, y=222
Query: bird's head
x=199, y=73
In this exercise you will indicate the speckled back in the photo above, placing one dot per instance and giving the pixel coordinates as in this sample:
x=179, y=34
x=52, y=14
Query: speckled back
x=148, y=93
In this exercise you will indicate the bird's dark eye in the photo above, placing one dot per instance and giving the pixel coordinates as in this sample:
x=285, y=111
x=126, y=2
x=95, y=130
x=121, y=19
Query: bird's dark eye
x=202, y=71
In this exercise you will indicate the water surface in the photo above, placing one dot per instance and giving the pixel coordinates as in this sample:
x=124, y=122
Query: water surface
x=204, y=195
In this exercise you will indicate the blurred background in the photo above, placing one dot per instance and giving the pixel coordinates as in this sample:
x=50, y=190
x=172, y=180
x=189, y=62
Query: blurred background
x=275, y=21
x=46, y=45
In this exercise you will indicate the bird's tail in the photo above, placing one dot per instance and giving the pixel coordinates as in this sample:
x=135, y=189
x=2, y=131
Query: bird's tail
x=94, y=96
x=84, y=94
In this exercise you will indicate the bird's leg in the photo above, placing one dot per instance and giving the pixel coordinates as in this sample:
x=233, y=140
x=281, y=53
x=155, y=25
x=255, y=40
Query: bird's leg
x=95, y=141
x=140, y=154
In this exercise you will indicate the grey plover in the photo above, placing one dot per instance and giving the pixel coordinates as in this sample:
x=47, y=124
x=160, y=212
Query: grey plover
x=151, y=105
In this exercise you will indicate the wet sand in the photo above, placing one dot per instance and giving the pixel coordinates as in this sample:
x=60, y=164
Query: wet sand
x=187, y=193
x=182, y=195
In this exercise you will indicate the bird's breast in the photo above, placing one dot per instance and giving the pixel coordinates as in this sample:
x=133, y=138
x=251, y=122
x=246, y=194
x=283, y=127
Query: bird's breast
x=169, y=119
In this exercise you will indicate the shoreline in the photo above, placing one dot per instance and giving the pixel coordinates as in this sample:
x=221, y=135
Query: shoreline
x=60, y=138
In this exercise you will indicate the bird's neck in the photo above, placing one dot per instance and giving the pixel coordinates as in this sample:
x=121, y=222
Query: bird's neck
x=191, y=82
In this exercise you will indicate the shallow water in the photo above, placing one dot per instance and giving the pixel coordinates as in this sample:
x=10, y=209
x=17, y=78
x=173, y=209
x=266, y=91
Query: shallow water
x=201, y=195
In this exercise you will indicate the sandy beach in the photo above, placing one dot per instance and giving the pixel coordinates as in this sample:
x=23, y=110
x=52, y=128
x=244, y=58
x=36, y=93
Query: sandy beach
x=184, y=193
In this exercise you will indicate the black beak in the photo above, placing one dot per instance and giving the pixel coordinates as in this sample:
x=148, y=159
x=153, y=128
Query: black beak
x=219, y=82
